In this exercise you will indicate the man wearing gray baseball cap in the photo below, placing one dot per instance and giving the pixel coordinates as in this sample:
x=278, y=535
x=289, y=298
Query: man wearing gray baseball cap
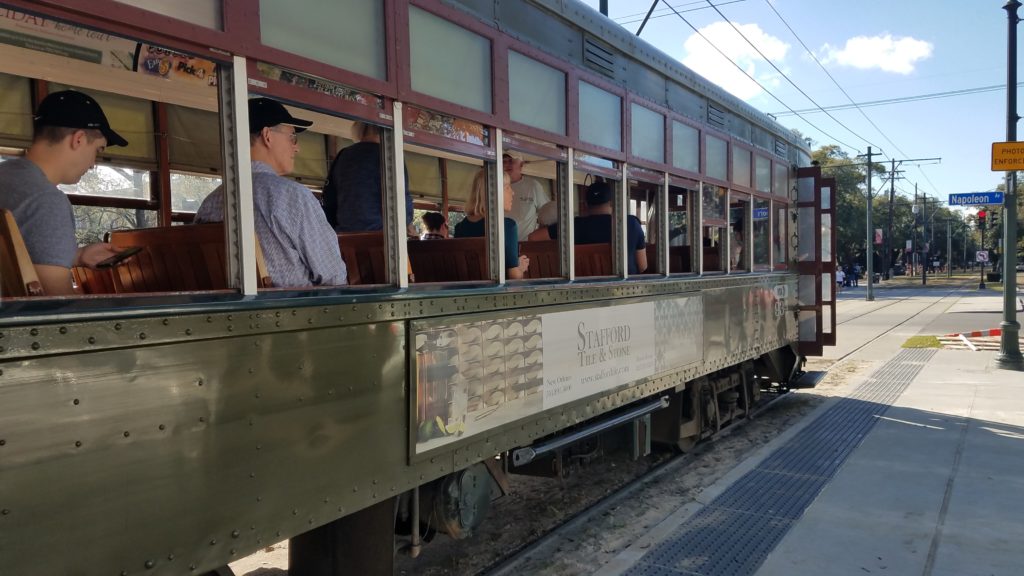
x=69, y=131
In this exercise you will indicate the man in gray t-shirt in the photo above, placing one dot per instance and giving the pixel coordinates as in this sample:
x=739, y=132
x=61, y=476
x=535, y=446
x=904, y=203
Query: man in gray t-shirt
x=70, y=129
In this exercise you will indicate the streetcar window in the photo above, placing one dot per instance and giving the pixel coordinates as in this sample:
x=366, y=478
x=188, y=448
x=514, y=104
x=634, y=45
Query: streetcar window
x=762, y=174
x=600, y=117
x=713, y=248
x=716, y=152
x=761, y=240
x=713, y=202
x=93, y=223
x=685, y=147
x=448, y=61
x=348, y=34
x=643, y=204
x=189, y=190
x=648, y=134
x=207, y=13
x=740, y=167
x=739, y=242
x=536, y=93
x=779, y=234
x=679, y=229
x=780, y=179
x=15, y=111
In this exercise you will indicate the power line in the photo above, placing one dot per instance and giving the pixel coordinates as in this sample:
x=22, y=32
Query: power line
x=622, y=20
x=752, y=79
x=822, y=66
x=788, y=79
x=903, y=99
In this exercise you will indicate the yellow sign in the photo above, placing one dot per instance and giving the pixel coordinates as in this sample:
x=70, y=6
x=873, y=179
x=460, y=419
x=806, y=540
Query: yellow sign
x=1007, y=156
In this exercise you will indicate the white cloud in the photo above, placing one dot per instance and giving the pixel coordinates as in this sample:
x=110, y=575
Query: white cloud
x=886, y=53
x=706, y=61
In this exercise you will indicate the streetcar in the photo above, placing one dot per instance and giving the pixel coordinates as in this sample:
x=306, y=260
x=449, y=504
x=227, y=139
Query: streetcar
x=183, y=411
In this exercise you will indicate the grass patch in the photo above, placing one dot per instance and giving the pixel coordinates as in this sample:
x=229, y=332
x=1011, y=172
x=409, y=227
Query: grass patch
x=922, y=342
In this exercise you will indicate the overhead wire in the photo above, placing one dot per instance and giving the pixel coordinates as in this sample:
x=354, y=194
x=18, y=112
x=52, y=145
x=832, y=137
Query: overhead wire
x=622, y=20
x=790, y=80
x=754, y=80
x=904, y=99
x=830, y=77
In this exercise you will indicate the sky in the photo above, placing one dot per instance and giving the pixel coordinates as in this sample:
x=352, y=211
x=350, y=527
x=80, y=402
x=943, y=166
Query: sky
x=874, y=50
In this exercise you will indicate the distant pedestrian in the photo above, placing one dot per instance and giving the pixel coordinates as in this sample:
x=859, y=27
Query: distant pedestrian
x=840, y=280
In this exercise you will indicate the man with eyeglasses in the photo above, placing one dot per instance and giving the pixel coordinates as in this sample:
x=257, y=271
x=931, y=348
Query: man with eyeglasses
x=299, y=246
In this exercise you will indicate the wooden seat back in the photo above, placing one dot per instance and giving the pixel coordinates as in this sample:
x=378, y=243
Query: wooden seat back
x=594, y=260
x=363, y=253
x=544, y=259
x=17, y=274
x=712, y=261
x=177, y=258
x=449, y=260
x=91, y=281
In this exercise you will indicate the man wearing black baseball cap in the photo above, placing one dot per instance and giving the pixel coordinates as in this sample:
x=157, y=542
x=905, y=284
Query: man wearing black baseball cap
x=299, y=246
x=596, y=227
x=70, y=130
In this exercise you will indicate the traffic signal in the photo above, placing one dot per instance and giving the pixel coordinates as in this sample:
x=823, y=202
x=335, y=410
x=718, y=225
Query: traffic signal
x=981, y=219
x=993, y=218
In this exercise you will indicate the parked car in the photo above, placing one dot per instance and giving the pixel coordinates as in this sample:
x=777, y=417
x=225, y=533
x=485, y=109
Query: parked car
x=1020, y=267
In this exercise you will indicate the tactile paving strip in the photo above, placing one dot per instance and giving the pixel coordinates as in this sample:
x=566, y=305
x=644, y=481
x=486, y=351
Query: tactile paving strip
x=733, y=534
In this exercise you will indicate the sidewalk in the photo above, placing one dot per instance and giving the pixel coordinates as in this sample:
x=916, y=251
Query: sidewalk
x=919, y=471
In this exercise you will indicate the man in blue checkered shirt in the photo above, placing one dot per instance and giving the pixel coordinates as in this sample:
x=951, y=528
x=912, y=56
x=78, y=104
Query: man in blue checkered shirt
x=299, y=246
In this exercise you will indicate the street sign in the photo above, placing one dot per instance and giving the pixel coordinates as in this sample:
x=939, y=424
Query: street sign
x=760, y=213
x=976, y=199
x=981, y=256
x=1007, y=156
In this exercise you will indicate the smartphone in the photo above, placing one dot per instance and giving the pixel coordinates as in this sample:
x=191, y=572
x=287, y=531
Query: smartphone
x=120, y=257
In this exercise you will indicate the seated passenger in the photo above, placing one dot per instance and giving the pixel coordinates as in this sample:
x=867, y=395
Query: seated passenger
x=529, y=196
x=596, y=227
x=436, y=226
x=352, y=194
x=298, y=244
x=69, y=130
x=473, y=224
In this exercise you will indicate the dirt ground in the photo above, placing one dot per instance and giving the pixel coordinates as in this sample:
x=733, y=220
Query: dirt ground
x=537, y=505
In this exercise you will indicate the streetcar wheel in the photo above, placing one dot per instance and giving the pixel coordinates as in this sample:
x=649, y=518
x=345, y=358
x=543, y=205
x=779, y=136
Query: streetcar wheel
x=686, y=444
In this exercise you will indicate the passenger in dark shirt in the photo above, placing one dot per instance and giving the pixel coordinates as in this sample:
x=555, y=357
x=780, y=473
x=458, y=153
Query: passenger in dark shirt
x=352, y=194
x=596, y=228
x=473, y=224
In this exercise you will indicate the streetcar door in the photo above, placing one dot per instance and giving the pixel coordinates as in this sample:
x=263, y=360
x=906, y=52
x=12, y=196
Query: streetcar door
x=816, y=261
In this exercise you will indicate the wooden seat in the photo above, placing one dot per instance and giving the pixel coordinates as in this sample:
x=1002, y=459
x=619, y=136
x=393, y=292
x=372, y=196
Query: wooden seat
x=679, y=259
x=91, y=281
x=449, y=260
x=177, y=258
x=594, y=260
x=363, y=253
x=544, y=259
x=17, y=274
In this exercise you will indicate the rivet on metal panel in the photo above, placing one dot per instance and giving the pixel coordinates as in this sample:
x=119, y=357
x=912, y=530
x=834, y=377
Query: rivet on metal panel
x=3, y=442
x=78, y=443
x=35, y=345
x=213, y=542
x=76, y=401
x=127, y=433
x=235, y=533
x=188, y=331
x=149, y=564
x=231, y=551
x=202, y=418
x=142, y=335
x=170, y=557
x=162, y=427
x=34, y=332
x=165, y=322
x=259, y=498
x=191, y=566
x=355, y=489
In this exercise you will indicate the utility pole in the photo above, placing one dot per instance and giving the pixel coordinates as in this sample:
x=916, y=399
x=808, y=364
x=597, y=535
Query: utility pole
x=949, y=249
x=925, y=247
x=887, y=261
x=868, y=239
x=604, y=7
x=1010, y=357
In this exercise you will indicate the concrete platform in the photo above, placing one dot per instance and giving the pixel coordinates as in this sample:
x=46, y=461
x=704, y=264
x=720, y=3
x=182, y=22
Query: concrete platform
x=935, y=487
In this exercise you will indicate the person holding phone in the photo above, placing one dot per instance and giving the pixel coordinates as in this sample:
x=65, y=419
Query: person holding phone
x=69, y=131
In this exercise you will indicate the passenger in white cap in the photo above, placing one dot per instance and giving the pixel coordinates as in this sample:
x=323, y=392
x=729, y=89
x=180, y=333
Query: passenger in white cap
x=529, y=195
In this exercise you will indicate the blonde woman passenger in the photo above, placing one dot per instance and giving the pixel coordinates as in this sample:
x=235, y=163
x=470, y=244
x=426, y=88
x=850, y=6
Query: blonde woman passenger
x=473, y=224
